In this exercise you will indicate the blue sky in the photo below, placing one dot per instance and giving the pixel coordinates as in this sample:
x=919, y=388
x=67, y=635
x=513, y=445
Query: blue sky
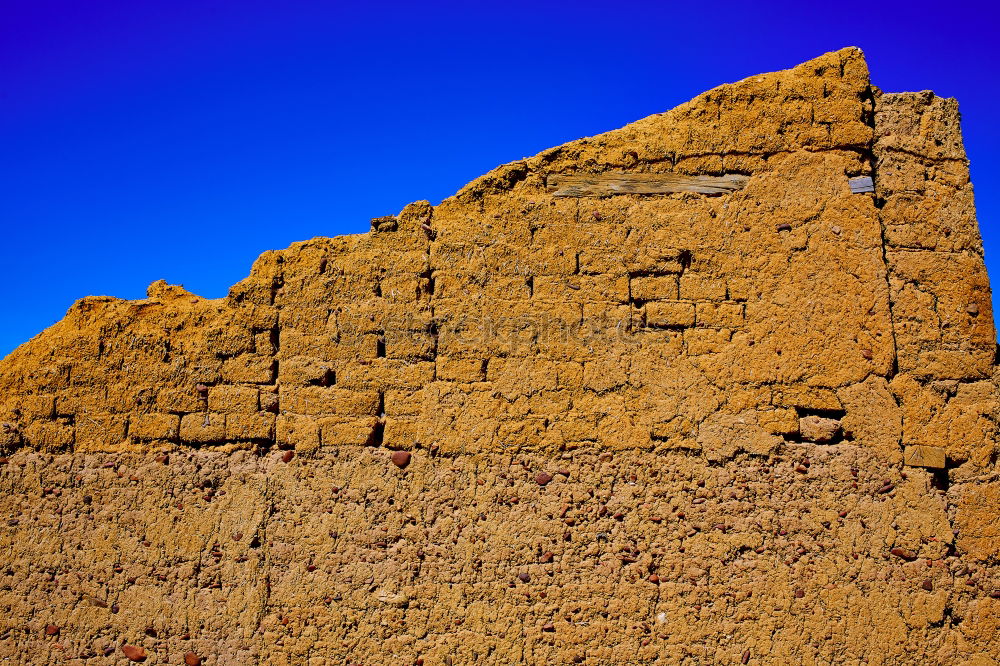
x=179, y=140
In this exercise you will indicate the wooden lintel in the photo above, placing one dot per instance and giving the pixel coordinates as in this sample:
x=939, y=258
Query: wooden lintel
x=606, y=184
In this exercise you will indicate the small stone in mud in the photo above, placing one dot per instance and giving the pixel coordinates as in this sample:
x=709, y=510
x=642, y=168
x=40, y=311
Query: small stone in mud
x=51, y=630
x=287, y=456
x=163, y=459
x=799, y=593
x=191, y=659
x=928, y=585
x=401, y=458
x=524, y=577
x=904, y=554
x=547, y=557
x=818, y=429
x=542, y=478
x=653, y=578
x=548, y=626
x=134, y=653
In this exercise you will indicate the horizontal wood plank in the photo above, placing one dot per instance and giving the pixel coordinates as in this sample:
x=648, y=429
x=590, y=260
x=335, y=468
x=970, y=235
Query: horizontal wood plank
x=606, y=184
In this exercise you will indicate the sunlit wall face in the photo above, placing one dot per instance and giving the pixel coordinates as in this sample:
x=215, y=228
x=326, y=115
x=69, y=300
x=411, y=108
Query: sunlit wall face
x=178, y=140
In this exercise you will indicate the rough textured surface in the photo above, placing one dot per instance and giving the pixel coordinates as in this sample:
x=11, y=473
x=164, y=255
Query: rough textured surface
x=525, y=427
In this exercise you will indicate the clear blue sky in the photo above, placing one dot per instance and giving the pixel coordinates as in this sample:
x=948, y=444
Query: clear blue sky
x=147, y=139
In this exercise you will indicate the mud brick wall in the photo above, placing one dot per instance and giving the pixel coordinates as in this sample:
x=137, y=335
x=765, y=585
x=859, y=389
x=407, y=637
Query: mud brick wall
x=755, y=424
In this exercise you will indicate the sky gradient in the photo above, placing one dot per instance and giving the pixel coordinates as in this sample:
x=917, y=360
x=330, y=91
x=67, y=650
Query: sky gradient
x=178, y=140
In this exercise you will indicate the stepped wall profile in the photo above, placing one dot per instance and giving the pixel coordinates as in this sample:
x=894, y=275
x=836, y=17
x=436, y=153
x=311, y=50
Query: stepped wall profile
x=715, y=387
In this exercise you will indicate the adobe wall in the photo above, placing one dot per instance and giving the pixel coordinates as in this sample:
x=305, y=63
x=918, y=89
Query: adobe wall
x=755, y=426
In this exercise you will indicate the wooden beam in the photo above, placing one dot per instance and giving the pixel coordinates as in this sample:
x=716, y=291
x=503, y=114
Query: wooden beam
x=606, y=184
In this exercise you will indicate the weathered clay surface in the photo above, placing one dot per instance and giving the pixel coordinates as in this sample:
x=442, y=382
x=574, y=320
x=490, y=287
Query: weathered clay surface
x=521, y=427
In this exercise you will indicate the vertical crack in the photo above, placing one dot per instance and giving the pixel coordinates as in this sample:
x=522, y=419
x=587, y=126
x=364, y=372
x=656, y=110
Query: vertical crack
x=868, y=116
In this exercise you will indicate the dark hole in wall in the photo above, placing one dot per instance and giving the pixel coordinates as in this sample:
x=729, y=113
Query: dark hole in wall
x=685, y=259
x=377, y=436
x=941, y=478
x=380, y=347
x=328, y=378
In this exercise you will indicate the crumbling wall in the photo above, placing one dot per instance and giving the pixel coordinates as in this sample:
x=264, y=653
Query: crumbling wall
x=749, y=420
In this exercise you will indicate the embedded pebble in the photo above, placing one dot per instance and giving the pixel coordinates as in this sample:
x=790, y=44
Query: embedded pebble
x=903, y=553
x=542, y=478
x=818, y=429
x=134, y=653
x=400, y=458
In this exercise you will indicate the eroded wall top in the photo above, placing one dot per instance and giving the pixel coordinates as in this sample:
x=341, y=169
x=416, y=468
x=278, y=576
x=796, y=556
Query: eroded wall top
x=793, y=256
